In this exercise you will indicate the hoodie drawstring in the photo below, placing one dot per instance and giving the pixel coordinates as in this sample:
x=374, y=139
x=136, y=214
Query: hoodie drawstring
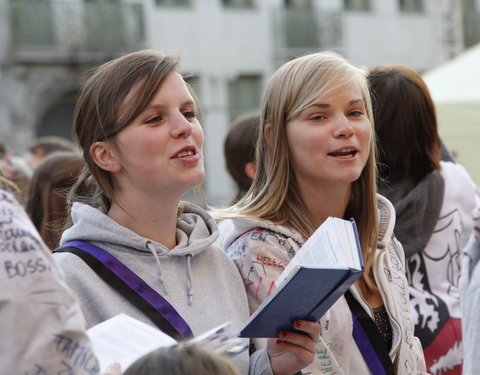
x=159, y=273
x=189, y=280
x=159, y=267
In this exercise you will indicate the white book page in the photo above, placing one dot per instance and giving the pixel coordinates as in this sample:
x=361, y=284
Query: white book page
x=333, y=244
x=124, y=339
x=222, y=339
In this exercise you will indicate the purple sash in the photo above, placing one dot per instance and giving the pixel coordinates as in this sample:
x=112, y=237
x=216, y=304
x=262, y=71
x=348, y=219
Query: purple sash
x=140, y=287
x=368, y=352
x=368, y=339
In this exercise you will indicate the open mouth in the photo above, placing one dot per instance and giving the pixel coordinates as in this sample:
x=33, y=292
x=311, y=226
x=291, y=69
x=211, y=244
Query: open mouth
x=184, y=154
x=344, y=153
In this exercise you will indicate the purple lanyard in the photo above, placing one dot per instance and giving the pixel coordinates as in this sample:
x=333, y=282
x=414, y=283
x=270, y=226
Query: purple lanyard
x=365, y=347
x=368, y=339
x=160, y=304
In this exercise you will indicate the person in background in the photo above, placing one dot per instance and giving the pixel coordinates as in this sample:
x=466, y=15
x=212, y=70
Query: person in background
x=315, y=159
x=46, y=200
x=42, y=325
x=470, y=300
x=183, y=359
x=46, y=145
x=16, y=170
x=136, y=122
x=434, y=202
x=239, y=151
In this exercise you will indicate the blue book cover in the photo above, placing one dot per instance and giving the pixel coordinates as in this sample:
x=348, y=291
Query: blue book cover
x=307, y=293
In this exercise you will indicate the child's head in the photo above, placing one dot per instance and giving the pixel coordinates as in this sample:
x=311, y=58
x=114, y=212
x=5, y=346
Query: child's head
x=182, y=359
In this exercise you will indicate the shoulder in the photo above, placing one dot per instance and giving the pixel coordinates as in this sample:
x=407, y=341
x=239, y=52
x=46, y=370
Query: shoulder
x=455, y=174
x=243, y=228
x=71, y=265
x=448, y=168
x=386, y=220
x=461, y=192
x=263, y=244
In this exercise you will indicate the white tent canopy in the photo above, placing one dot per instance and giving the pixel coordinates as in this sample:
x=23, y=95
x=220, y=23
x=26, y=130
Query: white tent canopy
x=455, y=89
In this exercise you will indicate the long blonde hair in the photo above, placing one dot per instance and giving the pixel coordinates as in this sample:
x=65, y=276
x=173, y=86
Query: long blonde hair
x=274, y=195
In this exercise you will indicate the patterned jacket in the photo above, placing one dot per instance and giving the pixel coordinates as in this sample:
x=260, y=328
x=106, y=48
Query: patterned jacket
x=261, y=250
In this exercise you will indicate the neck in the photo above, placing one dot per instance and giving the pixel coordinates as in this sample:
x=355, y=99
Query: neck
x=155, y=219
x=325, y=202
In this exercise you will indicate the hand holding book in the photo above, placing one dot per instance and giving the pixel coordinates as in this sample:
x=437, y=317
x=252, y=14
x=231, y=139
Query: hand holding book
x=328, y=263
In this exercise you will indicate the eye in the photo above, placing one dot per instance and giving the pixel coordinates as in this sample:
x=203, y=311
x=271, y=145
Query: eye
x=190, y=114
x=317, y=117
x=355, y=113
x=153, y=120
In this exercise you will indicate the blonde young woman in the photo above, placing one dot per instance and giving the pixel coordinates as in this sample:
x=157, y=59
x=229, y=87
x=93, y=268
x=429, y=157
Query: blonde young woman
x=136, y=122
x=315, y=159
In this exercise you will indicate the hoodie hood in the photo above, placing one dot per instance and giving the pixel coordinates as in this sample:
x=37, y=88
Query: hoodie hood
x=417, y=209
x=196, y=231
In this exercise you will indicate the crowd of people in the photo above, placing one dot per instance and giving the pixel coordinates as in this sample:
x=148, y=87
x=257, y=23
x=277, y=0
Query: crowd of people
x=99, y=228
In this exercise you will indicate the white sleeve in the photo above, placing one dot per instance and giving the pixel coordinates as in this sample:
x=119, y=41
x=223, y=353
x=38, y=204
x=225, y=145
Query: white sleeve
x=43, y=329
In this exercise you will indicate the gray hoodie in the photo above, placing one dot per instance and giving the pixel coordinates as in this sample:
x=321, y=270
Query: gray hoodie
x=195, y=277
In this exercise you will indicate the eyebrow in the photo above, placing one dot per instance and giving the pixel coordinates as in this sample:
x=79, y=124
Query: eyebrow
x=321, y=105
x=160, y=106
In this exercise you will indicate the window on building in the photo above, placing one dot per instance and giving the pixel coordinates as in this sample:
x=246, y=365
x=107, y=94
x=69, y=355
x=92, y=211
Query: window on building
x=471, y=26
x=300, y=24
x=58, y=117
x=302, y=4
x=357, y=5
x=194, y=82
x=244, y=94
x=238, y=3
x=173, y=3
x=411, y=6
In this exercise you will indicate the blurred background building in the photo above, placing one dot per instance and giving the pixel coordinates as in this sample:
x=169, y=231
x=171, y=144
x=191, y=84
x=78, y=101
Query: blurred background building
x=229, y=49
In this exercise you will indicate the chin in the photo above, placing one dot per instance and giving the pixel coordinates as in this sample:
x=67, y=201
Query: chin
x=198, y=178
x=352, y=177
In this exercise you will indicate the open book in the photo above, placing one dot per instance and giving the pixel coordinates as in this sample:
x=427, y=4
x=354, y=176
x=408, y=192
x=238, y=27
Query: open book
x=124, y=339
x=323, y=269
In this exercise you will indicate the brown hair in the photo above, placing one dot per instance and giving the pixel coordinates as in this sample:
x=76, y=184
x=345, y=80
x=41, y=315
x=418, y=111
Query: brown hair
x=183, y=359
x=405, y=124
x=239, y=149
x=110, y=100
x=46, y=204
x=49, y=144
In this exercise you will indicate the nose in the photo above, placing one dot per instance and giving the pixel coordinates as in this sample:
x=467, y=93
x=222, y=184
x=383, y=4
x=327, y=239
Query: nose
x=181, y=126
x=343, y=128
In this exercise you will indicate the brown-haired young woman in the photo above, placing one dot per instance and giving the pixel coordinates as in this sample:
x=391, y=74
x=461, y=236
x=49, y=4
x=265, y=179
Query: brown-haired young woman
x=434, y=202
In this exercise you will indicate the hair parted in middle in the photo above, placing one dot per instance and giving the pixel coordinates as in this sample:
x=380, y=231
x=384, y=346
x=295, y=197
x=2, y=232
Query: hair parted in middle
x=274, y=194
x=110, y=100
